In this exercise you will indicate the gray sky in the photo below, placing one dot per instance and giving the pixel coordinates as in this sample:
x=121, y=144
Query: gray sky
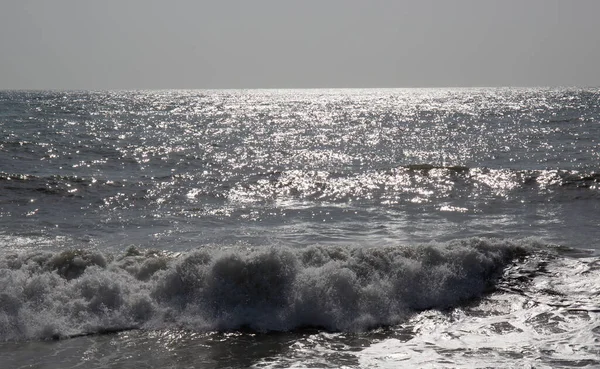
x=85, y=44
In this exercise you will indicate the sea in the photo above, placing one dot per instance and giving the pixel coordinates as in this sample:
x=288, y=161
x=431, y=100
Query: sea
x=342, y=228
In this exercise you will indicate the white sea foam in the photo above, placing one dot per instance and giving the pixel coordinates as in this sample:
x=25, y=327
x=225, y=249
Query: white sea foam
x=545, y=313
x=552, y=321
x=51, y=295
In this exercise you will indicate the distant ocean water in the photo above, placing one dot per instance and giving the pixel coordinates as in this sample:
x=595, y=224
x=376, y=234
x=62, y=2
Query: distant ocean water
x=307, y=228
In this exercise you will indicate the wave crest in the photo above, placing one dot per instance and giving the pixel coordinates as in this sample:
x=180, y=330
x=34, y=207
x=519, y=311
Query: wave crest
x=337, y=288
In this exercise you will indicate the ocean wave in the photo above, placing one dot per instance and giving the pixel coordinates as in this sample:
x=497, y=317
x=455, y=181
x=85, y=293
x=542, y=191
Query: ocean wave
x=405, y=184
x=53, y=295
x=549, y=321
x=53, y=185
x=418, y=183
x=54, y=179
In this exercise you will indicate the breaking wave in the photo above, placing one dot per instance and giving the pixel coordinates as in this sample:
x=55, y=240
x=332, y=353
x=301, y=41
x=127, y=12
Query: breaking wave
x=53, y=295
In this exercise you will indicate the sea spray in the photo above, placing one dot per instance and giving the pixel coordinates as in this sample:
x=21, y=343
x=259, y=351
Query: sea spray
x=50, y=295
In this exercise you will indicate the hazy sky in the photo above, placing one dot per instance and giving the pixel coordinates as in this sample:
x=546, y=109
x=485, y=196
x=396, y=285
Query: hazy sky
x=86, y=44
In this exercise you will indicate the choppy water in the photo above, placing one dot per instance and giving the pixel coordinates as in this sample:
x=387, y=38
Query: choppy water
x=358, y=228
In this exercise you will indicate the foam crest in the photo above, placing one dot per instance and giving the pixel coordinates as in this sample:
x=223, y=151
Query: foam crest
x=337, y=288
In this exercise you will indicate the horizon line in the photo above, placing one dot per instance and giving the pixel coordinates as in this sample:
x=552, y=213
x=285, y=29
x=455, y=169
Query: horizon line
x=297, y=88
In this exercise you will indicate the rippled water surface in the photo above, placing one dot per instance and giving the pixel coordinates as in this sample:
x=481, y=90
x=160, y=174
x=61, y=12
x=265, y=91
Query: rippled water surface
x=276, y=228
